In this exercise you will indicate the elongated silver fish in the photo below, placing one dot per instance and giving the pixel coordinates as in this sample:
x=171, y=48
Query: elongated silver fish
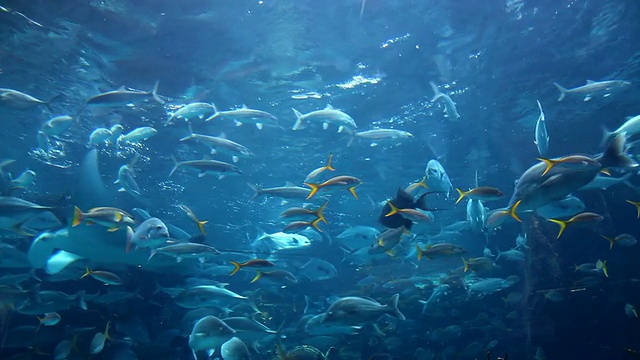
x=123, y=96
x=18, y=100
x=591, y=88
x=449, y=106
x=245, y=115
x=220, y=144
x=327, y=116
x=541, y=135
x=207, y=167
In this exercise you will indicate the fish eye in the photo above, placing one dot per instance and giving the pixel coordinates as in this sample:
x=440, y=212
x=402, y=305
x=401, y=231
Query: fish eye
x=159, y=227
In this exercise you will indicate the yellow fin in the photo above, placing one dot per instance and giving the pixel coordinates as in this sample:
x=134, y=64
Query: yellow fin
x=352, y=190
x=86, y=273
x=612, y=241
x=201, y=224
x=314, y=189
x=77, y=216
x=563, y=225
x=637, y=205
x=258, y=276
x=394, y=209
x=548, y=165
x=419, y=252
x=462, y=195
x=466, y=265
x=329, y=166
x=512, y=210
x=315, y=222
x=319, y=212
x=237, y=267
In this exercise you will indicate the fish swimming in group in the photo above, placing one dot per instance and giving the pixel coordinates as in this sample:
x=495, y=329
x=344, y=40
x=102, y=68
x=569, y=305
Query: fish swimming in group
x=245, y=115
x=222, y=145
x=451, y=112
x=207, y=167
x=592, y=88
x=353, y=310
x=123, y=96
x=541, y=134
x=403, y=200
x=151, y=233
x=327, y=116
x=18, y=100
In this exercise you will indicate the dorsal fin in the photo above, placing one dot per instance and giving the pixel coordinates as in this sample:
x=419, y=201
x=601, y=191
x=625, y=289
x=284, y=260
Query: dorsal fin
x=590, y=82
x=121, y=88
x=329, y=107
x=289, y=184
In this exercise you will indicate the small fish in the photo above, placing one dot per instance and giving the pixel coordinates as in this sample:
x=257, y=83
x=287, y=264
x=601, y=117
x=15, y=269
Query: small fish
x=106, y=277
x=126, y=180
x=99, y=340
x=193, y=217
x=313, y=174
x=578, y=161
x=197, y=110
x=222, y=145
x=326, y=116
x=288, y=191
x=379, y=135
x=541, y=135
x=415, y=215
x=630, y=128
x=297, y=226
x=301, y=213
x=591, y=88
x=478, y=264
x=187, y=251
x=245, y=115
x=387, y=241
x=57, y=125
x=335, y=184
x=99, y=136
x=260, y=263
x=282, y=277
x=49, y=319
x=19, y=100
x=582, y=217
x=112, y=218
x=449, y=106
x=122, y=96
x=625, y=240
x=438, y=250
x=25, y=179
x=207, y=167
x=411, y=189
x=484, y=193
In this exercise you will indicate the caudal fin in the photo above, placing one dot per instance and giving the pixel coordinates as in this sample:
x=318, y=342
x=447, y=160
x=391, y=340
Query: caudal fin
x=614, y=155
x=436, y=92
x=236, y=267
x=201, y=224
x=563, y=91
x=299, y=118
x=562, y=224
x=154, y=93
x=393, y=307
x=176, y=165
x=314, y=189
x=77, y=216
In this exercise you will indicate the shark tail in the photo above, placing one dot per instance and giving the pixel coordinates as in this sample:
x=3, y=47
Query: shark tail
x=299, y=118
x=563, y=91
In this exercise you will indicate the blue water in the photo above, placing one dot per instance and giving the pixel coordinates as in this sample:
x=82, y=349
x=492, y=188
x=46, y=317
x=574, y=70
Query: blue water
x=374, y=61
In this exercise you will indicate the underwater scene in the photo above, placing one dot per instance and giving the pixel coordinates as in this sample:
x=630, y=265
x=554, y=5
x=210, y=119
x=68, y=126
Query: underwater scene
x=319, y=180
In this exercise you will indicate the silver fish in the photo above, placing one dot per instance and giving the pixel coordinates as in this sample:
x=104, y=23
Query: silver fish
x=207, y=167
x=541, y=135
x=450, y=110
x=57, y=125
x=197, y=110
x=209, y=333
x=591, y=88
x=19, y=100
x=220, y=144
x=123, y=96
x=353, y=310
x=245, y=115
x=326, y=116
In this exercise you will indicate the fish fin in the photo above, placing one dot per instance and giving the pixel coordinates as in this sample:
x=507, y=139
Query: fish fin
x=260, y=126
x=257, y=190
x=614, y=155
x=319, y=212
x=154, y=93
x=315, y=222
x=466, y=264
x=201, y=224
x=176, y=165
x=129, y=239
x=590, y=82
x=563, y=226
x=77, y=216
x=436, y=92
x=314, y=189
x=611, y=241
x=461, y=194
x=235, y=159
x=329, y=165
x=563, y=91
x=512, y=211
x=394, y=209
x=604, y=269
x=113, y=229
x=236, y=268
x=393, y=307
x=419, y=252
x=257, y=277
x=352, y=190
x=86, y=273
x=299, y=118
x=548, y=164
